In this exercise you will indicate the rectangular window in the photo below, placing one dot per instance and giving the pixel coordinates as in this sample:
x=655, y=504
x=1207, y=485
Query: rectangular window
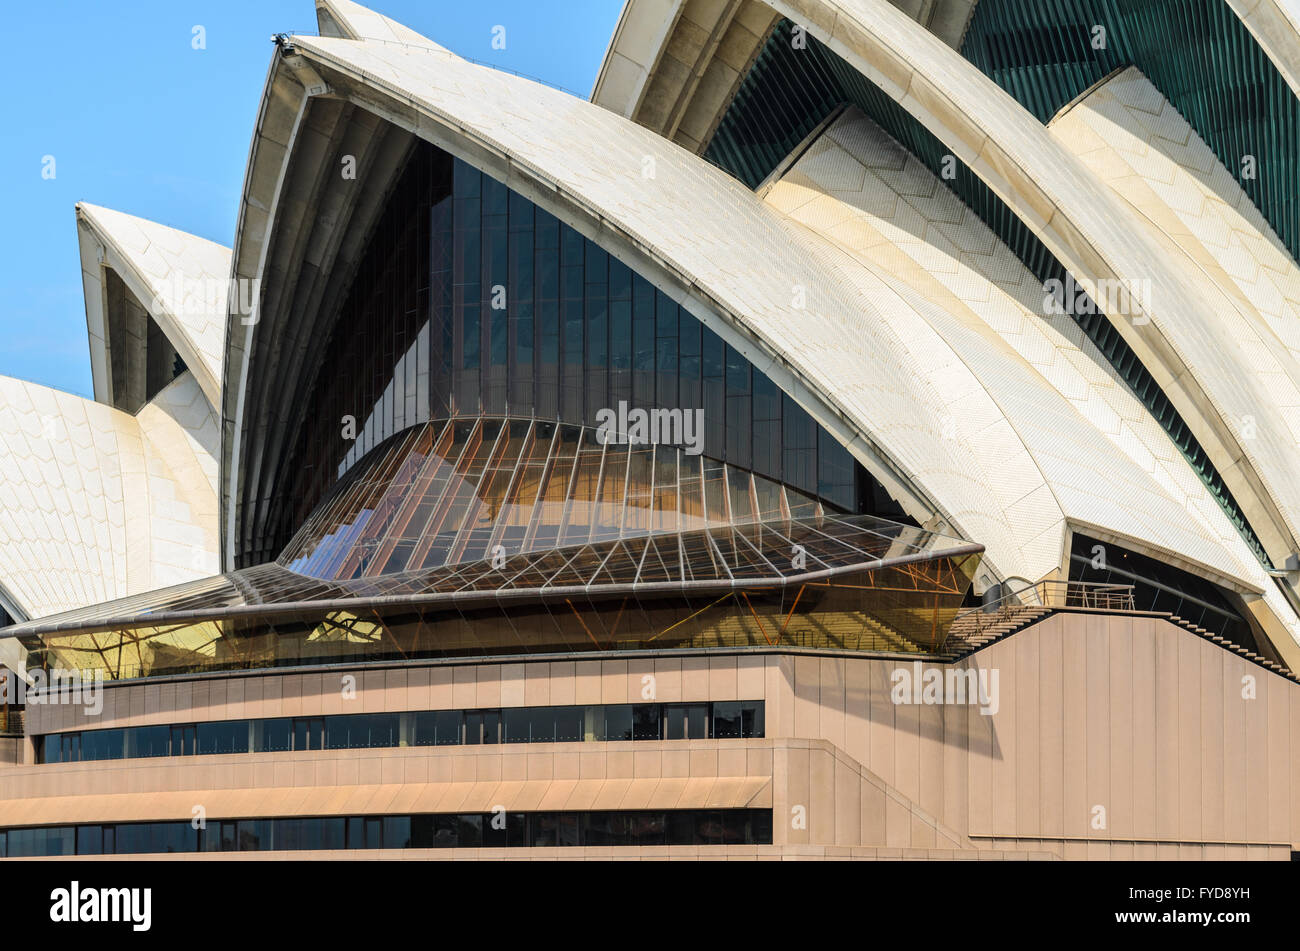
x=438, y=728
x=686, y=721
x=464, y=830
x=184, y=740
x=645, y=721
x=738, y=720
x=146, y=741
x=90, y=840
x=618, y=723
x=397, y=832
x=273, y=736
x=223, y=737
x=517, y=725
x=483, y=726
x=569, y=725
x=308, y=733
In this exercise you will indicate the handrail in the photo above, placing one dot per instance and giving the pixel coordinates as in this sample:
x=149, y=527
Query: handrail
x=1102, y=596
x=1061, y=594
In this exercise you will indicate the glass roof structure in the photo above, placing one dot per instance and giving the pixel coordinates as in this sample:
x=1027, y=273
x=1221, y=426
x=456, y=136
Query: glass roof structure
x=845, y=582
x=458, y=491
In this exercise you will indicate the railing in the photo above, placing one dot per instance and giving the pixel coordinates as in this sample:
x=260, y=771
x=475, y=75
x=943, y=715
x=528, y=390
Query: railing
x=1073, y=594
x=1034, y=598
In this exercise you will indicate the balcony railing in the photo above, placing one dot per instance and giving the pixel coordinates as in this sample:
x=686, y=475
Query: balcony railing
x=1034, y=600
x=1071, y=594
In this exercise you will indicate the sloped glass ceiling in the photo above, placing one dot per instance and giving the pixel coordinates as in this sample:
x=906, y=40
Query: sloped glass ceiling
x=471, y=301
x=829, y=582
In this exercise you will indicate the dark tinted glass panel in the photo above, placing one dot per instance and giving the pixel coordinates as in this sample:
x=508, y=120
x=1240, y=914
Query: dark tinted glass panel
x=148, y=741
x=422, y=728
x=273, y=736
x=517, y=726
x=90, y=840
x=617, y=723
x=645, y=722
x=223, y=737
x=686, y=721
x=458, y=268
x=569, y=724
x=472, y=830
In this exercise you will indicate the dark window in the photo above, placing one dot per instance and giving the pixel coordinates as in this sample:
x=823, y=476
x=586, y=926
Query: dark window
x=223, y=737
x=686, y=721
x=645, y=722
x=472, y=830
x=101, y=744
x=618, y=723
x=90, y=840
x=438, y=728
x=273, y=736
x=144, y=741
x=184, y=740
x=308, y=733
x=570, y=724
x=737, y=720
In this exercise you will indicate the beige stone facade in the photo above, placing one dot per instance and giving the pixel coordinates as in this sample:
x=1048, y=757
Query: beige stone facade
x=1131, y=713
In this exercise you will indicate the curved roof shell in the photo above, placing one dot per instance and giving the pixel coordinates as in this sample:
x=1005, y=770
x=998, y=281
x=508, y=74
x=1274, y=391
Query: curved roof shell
x=182, y=280
x=1232, y=385
x=1075, y=448
x=877, y=360
x=837, y=356
x=98, y=503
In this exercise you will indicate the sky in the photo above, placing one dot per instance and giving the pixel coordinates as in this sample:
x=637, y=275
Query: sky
x=138, y=120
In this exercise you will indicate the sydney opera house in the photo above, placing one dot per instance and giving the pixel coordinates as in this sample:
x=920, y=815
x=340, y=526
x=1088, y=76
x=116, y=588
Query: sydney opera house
x=861, y=429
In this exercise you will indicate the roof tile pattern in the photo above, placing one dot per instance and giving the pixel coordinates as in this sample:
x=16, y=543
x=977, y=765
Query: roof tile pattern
x=681, y=215
x=182, y=279
x=1130, y=137
x=99, y=504
x=1070, y=441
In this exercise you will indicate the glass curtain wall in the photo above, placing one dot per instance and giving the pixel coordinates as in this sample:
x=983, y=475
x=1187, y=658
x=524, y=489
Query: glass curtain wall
x=471, y=301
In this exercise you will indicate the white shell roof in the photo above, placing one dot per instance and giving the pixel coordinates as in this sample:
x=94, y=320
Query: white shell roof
x=181, y=279
x=98, y=503
x=1133, y=139
x=1046, y=437
x=1219, y=374
x=684, y=214
x=1065, y=441
x=356, y=22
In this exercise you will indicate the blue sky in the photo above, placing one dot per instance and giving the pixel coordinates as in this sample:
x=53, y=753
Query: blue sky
x=139, y=121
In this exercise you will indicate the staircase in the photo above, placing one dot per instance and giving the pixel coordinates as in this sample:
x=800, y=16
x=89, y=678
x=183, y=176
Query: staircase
x=976, y=629
x=1235, y=648
x=972, y=631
